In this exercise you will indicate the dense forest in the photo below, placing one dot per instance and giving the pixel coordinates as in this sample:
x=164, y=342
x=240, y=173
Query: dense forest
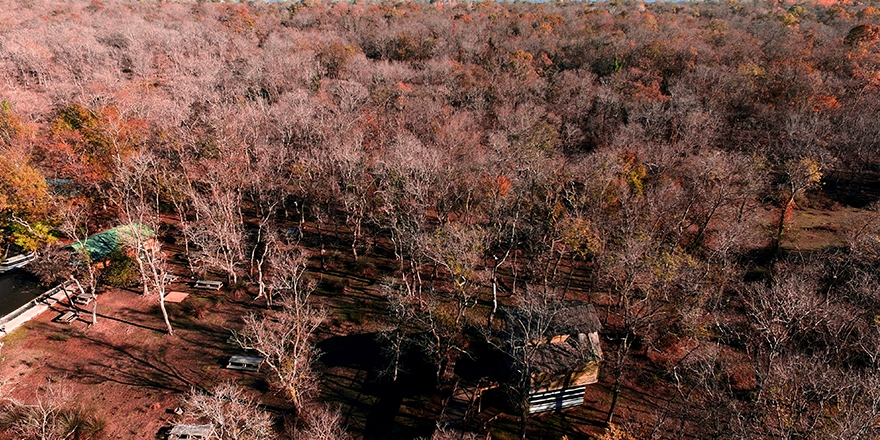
x=647, y=158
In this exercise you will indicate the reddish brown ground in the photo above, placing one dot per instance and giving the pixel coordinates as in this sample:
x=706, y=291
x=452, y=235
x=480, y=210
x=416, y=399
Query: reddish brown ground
x=133, y=375
x=125, y=367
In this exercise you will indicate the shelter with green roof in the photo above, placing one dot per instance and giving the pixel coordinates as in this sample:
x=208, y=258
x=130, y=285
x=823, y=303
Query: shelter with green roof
x=102, y=244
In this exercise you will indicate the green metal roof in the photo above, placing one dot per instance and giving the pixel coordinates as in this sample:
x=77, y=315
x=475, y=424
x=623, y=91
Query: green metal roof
x=102, y=244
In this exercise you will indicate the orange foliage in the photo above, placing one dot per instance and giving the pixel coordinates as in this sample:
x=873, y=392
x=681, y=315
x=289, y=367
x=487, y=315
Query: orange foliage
x=86, y=144
x=825, y=103
x=238, y=18
x=499, y=186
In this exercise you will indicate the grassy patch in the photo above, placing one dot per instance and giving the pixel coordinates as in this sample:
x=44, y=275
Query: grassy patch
x=194, y=308
x=331, y=284
x=17, y=335
x=60, y=337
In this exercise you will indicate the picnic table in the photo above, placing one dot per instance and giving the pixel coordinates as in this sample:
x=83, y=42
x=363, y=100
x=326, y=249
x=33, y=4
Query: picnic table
x=66, y=317
x=244, y=363
x=83, y=299
x=208, y=284
x=190, y=432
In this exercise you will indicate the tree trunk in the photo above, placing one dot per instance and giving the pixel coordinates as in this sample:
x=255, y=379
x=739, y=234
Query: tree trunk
x=141, y=268
x=784, y=217
x=67, y=294
x=614, y=395
x=494, y=298
x=165, y=312
x=618, y=373
x=524, y=420
x=570, y=276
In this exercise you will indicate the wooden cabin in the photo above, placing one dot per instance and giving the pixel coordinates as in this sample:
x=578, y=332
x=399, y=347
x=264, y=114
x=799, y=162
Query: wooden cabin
x=564, y=359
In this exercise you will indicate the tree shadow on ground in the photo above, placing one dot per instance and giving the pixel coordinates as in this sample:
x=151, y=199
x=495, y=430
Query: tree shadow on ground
x=355, y=372
x=852, y=189
x=133, y=367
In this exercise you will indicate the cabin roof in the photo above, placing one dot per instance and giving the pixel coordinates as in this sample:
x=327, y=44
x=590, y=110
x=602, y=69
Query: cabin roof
x=563, y=318
x=558, y=334
x=563, y=356
x=103, y=243
x=575, y=317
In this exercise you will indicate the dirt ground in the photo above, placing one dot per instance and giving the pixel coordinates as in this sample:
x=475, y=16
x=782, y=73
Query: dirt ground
x=132, y=375
x=125, y=367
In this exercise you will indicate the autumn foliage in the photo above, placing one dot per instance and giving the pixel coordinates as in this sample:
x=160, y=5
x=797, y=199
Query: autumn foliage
x=647, y=158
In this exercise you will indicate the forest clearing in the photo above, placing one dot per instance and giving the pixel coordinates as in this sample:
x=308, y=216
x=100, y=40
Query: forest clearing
x=609, y=220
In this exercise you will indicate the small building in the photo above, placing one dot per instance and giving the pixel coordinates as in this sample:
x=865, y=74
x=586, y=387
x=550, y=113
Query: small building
x=564, y=359
x=102, y=244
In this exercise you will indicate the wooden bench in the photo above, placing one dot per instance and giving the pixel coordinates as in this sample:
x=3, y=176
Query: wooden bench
x=208, y=284
x=83, y=299
x=244, y=363
x=66, y=317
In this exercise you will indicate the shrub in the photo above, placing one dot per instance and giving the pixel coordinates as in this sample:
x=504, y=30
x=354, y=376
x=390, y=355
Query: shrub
x=122, y=271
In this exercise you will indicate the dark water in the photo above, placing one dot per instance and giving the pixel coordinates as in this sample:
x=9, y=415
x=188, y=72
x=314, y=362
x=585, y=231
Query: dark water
x=17, y=287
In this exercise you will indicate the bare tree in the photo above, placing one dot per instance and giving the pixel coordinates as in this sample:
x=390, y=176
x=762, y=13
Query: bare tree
x=318, y=422
x=719, y=187
x=528, y=327
x=219, y=230
x=799, y=393
x=75, y=225
x=458, y=249
x=52, y=265
x=800, y=175
x=52, y=415
x=452, y=434
x=408, y=315
x=856, y=407
x=779, y=314
x=287, y=275
x=134, y=188
x=283, y=337
x=234, y=414
x=640, y=304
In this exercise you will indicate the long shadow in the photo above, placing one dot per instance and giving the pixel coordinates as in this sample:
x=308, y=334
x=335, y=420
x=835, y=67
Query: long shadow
x=373, y=398
x=362, y=352
x=87, y=315
x=158, y=375
x=147, y=373
x=216, y=335
x=853, y=189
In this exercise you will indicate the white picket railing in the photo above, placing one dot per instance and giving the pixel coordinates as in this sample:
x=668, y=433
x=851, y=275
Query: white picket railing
x=16, y=261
